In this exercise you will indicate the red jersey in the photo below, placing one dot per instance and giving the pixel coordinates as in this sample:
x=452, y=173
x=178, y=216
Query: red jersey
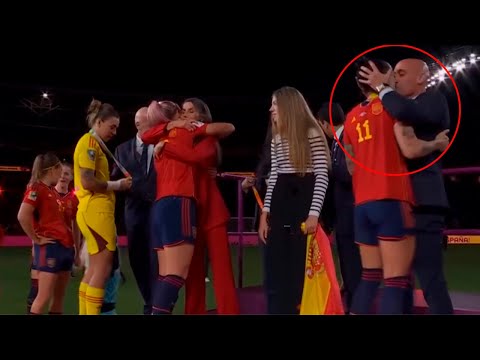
x=49, y=219
x=369, y=130
x=211, y=207
x=174, y=177
x=68, y=207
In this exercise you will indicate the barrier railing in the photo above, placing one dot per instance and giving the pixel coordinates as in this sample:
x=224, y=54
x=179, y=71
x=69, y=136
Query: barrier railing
x=238, y=177
x=242, y=237
x=462, y=236
x=455, y=236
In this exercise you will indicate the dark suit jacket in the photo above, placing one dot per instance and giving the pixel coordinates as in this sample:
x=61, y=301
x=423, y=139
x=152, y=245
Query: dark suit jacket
x=264, y=164
x=142, y=194
x=262, y=171
x=342, y=191
x=428, y=114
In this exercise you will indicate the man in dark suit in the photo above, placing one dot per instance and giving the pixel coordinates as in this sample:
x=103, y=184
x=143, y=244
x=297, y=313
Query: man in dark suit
x=137, y=158
x=262, y=172
x=404, y=96
x=343, y=204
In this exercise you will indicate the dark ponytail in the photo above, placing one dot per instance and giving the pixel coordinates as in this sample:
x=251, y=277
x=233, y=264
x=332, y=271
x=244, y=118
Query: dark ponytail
x=202, y=108
x=41, y=165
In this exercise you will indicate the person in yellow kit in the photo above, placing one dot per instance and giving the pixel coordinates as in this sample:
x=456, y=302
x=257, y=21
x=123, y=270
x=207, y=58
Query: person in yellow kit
x=96, y=208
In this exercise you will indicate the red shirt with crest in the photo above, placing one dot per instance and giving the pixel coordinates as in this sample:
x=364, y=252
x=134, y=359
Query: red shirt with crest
x=174, y=177
x=212, y=211
x=369, y=131
x=68, y=207
x=49, y=220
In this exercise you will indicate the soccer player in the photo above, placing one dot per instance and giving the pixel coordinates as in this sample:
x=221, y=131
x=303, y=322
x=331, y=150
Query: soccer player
x=32, y=293
x=68, y=206
x=42, y=218
x=212, y=219
x=174, y=212
x=112, y=285
x=427, y=113
x=96, y=195
x=384, y=221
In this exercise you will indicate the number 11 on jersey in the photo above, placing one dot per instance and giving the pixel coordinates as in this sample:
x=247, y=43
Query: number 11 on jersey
x=366, y=129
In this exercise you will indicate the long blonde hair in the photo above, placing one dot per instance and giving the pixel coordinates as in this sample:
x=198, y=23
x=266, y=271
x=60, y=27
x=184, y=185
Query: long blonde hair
x=295, y=122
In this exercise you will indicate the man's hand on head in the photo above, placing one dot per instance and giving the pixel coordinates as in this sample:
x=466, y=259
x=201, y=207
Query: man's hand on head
x=374, y=77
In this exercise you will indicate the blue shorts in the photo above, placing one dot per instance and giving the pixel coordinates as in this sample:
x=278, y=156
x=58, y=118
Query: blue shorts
x=53, y=257
x=387, y=220
x=174, y=220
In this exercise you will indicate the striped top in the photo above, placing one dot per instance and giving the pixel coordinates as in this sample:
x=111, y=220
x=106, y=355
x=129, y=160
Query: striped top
x=281, y=165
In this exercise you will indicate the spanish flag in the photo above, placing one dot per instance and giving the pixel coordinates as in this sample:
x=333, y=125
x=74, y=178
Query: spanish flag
x=321, y=292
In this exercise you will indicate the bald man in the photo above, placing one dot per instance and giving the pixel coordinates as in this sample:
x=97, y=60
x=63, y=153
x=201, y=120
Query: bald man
x=424, y=114
x=137, y=159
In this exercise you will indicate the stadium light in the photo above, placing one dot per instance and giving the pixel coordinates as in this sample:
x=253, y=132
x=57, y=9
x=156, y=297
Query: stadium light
x=459, y=64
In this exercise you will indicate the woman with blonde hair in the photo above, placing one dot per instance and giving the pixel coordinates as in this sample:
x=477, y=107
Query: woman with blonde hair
x=296, y=190
x=42, y=218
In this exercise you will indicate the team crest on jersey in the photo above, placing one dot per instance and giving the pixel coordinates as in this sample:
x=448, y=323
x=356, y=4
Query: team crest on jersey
x=172, y=133
x=32, y=196
x=92, y=154
x=61, y=207
x=377, y=108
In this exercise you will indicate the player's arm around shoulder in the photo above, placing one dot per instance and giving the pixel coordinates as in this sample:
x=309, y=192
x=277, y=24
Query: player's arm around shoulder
x=219, y=129
x=412, y=147
x=406, y=140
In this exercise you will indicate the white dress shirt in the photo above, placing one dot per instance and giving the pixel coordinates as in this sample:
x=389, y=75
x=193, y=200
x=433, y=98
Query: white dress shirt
x=338, y=132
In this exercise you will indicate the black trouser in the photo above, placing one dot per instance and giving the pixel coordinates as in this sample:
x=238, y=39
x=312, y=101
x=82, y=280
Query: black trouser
x=286, y=246
x=428, y=262
x=143, y=260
